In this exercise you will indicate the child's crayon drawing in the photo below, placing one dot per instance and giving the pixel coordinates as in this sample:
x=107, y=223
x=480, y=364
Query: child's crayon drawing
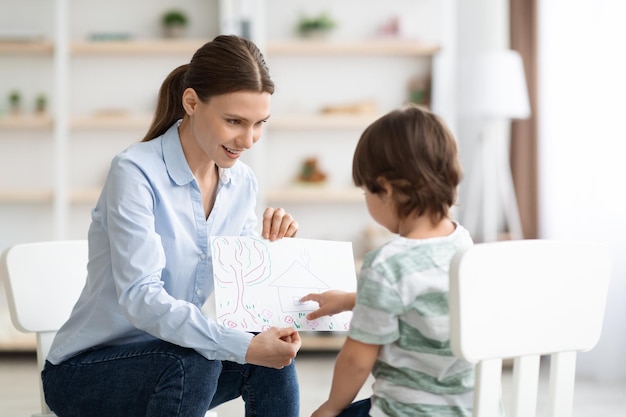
x=258, y=283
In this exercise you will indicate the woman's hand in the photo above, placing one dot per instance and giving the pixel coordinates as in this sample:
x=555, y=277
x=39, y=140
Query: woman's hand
x=274, y=348
x=277, y=223
x=330, y=302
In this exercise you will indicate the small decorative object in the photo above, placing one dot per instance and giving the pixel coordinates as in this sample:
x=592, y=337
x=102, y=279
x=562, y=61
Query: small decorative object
x=390, y=28
x=174, y=23
x=15, y=102
x=316, y=27
x=419, y=90
x=310, y=172
x=110, y=36
x=41, y=104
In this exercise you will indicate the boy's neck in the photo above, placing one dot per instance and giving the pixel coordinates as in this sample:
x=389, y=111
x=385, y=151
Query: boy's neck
x=422, y=227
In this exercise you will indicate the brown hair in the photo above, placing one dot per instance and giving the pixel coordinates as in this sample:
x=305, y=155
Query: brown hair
x=226, y=64
x=416, y=153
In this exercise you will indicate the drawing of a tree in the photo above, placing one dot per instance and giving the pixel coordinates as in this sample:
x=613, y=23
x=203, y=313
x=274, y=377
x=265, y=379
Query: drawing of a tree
x=251, y=266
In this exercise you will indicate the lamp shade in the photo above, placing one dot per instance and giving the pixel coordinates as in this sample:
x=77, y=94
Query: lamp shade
x=495, y=86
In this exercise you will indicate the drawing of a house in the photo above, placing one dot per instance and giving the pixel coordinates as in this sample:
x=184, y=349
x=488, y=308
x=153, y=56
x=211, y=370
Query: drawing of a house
x=294, y=283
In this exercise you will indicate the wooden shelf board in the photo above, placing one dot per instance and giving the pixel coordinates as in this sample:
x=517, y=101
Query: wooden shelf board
x=316, y=194
x=134, y=47
x=26, y=47
x=322, y=341
x=321, y=121
x=381, y=46
x=22, y=343
x=75, y=196
x=84, y=195
x=26, y=122
x=26, y=196
x=111, y=122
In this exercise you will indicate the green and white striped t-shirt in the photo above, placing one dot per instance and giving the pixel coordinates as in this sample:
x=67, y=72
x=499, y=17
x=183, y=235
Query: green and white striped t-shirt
x=402, y=304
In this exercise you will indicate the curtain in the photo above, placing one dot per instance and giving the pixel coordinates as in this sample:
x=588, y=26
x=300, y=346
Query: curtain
x=523, y=23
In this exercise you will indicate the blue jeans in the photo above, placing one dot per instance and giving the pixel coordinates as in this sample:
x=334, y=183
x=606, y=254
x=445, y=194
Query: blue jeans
x=159, y=379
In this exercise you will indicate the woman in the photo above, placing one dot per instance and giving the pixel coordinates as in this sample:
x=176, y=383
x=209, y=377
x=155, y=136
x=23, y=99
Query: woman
x=136, y=343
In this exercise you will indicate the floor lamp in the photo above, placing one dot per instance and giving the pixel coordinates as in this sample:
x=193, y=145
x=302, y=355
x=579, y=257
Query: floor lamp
x=498, y=94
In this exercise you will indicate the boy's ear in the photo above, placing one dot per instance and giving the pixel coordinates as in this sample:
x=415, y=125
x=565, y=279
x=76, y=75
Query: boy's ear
x=190, y=100
x=385, y=185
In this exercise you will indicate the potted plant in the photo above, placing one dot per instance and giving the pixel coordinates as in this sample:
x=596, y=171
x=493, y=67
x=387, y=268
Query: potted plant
x=174, y=23
x=317, y=26
x=41, y=104
x=15, y=102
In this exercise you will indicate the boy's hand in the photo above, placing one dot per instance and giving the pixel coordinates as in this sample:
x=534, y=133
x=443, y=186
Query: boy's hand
x=325, y=411
x=277, y=223
x=330, y=302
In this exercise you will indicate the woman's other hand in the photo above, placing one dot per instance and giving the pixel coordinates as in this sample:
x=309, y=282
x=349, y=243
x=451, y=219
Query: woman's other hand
x=277, y=223
x=274, y=348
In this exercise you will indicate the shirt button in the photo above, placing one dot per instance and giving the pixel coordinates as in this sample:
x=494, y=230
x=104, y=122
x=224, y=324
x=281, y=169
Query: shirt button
x=198, y=292
x=203, y=256
x=231, y=358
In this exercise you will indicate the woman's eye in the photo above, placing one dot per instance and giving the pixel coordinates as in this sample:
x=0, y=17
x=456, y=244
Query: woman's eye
x=233, y=121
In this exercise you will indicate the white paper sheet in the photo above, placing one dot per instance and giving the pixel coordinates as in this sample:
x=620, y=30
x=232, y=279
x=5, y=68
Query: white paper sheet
x=258, y=283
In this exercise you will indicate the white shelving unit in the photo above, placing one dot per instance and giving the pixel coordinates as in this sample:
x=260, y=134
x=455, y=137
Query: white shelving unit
x=101, y=99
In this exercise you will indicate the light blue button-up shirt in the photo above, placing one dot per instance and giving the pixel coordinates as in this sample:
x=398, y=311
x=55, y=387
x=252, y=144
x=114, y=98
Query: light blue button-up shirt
x=150, y=267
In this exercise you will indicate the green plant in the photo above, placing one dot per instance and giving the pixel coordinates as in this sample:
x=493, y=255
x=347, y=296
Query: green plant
x=323, y=22
x=15, y=98
x=174, y=18
x=41, y=103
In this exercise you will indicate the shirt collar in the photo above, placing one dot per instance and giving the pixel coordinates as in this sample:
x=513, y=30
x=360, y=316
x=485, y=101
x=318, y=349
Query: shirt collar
x=176, y=162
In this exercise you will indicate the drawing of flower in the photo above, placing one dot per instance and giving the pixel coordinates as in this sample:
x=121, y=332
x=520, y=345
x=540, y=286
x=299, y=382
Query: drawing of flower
x=288, y=319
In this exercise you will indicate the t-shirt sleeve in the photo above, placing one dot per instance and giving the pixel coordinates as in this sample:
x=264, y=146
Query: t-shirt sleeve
x=375, y=314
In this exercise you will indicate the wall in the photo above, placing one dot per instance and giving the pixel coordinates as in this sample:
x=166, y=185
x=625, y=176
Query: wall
x=582, y=144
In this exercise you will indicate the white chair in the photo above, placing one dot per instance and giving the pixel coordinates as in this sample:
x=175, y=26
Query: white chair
x=43, y=281
x=522, y=300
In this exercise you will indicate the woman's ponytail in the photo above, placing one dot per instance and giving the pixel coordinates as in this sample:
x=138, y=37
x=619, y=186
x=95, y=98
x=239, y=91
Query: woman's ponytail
x=169, y=106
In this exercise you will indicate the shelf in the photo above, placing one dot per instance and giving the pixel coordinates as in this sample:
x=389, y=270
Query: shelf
x=321, y=121
x=26, y=196
x=32, y=122
x=132, y=47
x=189, y=46
x=315, y=194
x=26, y=122
x=26, y=47
x=397, y=47
x=84, y=195
x=76, y=196
x=321, y=341
x=112, y=122
x=23, y=342
x=137, y=47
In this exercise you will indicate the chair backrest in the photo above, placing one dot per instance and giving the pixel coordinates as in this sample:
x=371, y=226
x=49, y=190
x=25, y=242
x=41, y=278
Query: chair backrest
x=43, y=281
x=522, y=300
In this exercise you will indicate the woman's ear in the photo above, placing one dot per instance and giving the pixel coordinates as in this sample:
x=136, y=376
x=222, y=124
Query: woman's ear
x=190, y=101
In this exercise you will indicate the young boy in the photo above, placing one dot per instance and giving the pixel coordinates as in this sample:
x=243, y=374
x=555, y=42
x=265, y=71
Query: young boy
x=407, y=164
